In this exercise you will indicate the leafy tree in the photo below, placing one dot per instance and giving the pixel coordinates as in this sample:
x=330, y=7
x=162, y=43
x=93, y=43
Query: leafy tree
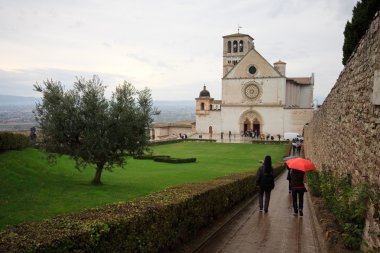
x=362, y=16
x=83, y=124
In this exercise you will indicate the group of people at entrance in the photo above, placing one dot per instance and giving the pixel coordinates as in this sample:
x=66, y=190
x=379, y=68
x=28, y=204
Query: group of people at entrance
x=265, y=183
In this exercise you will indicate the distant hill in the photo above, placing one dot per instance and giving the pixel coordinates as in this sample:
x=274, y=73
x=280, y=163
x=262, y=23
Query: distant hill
x=173, y=111
x=16, y=112
x=17, y=100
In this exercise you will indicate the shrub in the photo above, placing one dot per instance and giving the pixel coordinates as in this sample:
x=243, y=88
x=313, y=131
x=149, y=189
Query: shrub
x=10, y=141
x=348, y=203
x=201, y=140
x=165, y=159
x=149, y=157
x=149, y=224
x=175, y=160
x=314, y=183
x=145, y=225
x=161, y=142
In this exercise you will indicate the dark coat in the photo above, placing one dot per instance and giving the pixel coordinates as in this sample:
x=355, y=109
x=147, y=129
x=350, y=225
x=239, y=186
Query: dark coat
x=265, y=179
x=297, y=178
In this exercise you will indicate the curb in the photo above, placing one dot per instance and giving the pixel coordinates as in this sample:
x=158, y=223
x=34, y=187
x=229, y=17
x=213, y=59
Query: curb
x=316, y=228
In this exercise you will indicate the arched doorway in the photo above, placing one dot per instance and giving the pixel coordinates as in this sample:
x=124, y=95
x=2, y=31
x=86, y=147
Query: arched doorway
x=251, y=122
x=247, y=125
x=256, y=127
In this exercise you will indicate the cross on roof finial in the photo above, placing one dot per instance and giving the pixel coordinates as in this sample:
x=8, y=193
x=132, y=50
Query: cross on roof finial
x=239, y=28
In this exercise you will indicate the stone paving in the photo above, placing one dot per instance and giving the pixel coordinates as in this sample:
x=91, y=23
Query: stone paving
x=276, y=231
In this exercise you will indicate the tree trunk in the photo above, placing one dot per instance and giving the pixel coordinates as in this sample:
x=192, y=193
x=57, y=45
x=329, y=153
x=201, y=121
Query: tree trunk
x=98, y=174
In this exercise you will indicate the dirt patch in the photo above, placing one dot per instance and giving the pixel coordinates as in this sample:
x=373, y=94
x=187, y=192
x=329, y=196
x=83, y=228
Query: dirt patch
x=332, y=233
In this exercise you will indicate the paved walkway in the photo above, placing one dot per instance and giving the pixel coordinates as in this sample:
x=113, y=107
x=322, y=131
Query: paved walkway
x=276, y=231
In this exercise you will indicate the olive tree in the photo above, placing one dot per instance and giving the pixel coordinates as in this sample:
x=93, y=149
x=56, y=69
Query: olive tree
x=83, y=124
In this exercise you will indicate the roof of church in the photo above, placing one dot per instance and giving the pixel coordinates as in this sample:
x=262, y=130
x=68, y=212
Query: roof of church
x=204, y=92
x=237, y=35
x=172, y=124
x=300, y=80
x=280, y=62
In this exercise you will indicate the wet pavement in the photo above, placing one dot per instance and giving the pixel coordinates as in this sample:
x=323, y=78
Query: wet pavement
x=276, y=231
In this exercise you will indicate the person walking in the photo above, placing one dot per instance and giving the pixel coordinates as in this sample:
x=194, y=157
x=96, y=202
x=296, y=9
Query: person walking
x=265, y=182
x=288, y=177
x=297, y=184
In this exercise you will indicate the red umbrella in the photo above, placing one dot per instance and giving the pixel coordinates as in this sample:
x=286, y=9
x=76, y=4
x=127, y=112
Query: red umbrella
x=300, y=164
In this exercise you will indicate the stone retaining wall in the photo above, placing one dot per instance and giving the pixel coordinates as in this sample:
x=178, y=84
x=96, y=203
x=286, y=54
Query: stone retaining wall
x=344, y=134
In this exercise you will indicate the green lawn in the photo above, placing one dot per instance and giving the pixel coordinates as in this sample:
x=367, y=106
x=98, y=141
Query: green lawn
x=33, y=190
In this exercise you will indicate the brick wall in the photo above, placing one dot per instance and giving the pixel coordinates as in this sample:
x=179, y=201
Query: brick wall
x=344, y=134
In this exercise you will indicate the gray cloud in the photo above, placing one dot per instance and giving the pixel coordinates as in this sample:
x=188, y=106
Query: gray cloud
x=21, y=82
x=158, y=43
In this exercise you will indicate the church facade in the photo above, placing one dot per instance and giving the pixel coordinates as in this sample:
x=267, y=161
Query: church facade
x=256, y=96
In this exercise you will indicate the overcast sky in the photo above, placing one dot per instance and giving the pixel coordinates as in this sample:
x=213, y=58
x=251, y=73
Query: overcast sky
x=171, y=46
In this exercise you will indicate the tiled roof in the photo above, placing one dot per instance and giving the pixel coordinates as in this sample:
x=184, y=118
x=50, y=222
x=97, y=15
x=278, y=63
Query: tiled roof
x=237, y=35
x=172, y=124
x=300, y=80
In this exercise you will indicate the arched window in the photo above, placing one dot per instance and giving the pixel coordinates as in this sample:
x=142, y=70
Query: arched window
x=202, y=106
x=235, y=46
x=229, y=47
x=241, y=46
x=210, y=107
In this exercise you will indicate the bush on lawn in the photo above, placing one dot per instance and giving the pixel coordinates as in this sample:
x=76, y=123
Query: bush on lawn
x=149, y=157
x=10, y=141
x=175, y=160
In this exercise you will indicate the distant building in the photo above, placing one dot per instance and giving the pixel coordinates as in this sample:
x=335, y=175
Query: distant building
x=164, y=130
x=256, y=96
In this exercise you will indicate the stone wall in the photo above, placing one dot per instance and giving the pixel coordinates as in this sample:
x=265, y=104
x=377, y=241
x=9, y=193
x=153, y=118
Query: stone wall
x=344, y=134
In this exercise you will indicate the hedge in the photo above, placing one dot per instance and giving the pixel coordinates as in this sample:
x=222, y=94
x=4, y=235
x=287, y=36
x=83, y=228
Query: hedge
x=10, y=141
x=149, y=224
x=160, y=142
x=269, y=142
x=175, y=160
x=201, y=140
x=149, y=157
x=165, y=159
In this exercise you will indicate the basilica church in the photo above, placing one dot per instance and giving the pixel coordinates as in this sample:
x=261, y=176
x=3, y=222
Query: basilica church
x=256, y=96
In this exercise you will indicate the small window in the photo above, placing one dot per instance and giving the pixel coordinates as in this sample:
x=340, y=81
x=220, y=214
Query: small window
x=235, y=45
x=202, y=106
x=210, y=107
x=241, y=46
x=229, y=47
x=252, y=70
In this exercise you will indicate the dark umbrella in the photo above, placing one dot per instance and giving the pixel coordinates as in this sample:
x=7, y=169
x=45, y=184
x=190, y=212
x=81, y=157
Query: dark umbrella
x=290, y=157
x=300, y=164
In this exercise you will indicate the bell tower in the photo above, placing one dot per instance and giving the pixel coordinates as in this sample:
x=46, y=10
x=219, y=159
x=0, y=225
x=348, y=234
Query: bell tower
x=203, y=102
x=235, y=46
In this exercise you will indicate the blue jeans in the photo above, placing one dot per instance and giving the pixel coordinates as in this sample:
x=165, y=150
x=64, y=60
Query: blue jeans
x=297, y=193
x=267, y=199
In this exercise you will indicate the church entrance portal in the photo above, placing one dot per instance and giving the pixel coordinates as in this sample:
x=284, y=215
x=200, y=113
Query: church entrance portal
x=250, y=124
x=256, y=129
x=247, y=126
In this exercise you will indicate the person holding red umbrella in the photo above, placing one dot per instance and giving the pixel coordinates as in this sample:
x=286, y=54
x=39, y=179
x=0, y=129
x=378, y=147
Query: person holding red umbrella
x=297, y=181
x=297, y=185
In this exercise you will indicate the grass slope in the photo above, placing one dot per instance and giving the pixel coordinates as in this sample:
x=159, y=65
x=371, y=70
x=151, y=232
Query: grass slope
x=33, y=190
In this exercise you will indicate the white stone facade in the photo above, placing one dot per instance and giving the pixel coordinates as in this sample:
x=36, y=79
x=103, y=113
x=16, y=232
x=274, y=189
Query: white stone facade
x=256, y=96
